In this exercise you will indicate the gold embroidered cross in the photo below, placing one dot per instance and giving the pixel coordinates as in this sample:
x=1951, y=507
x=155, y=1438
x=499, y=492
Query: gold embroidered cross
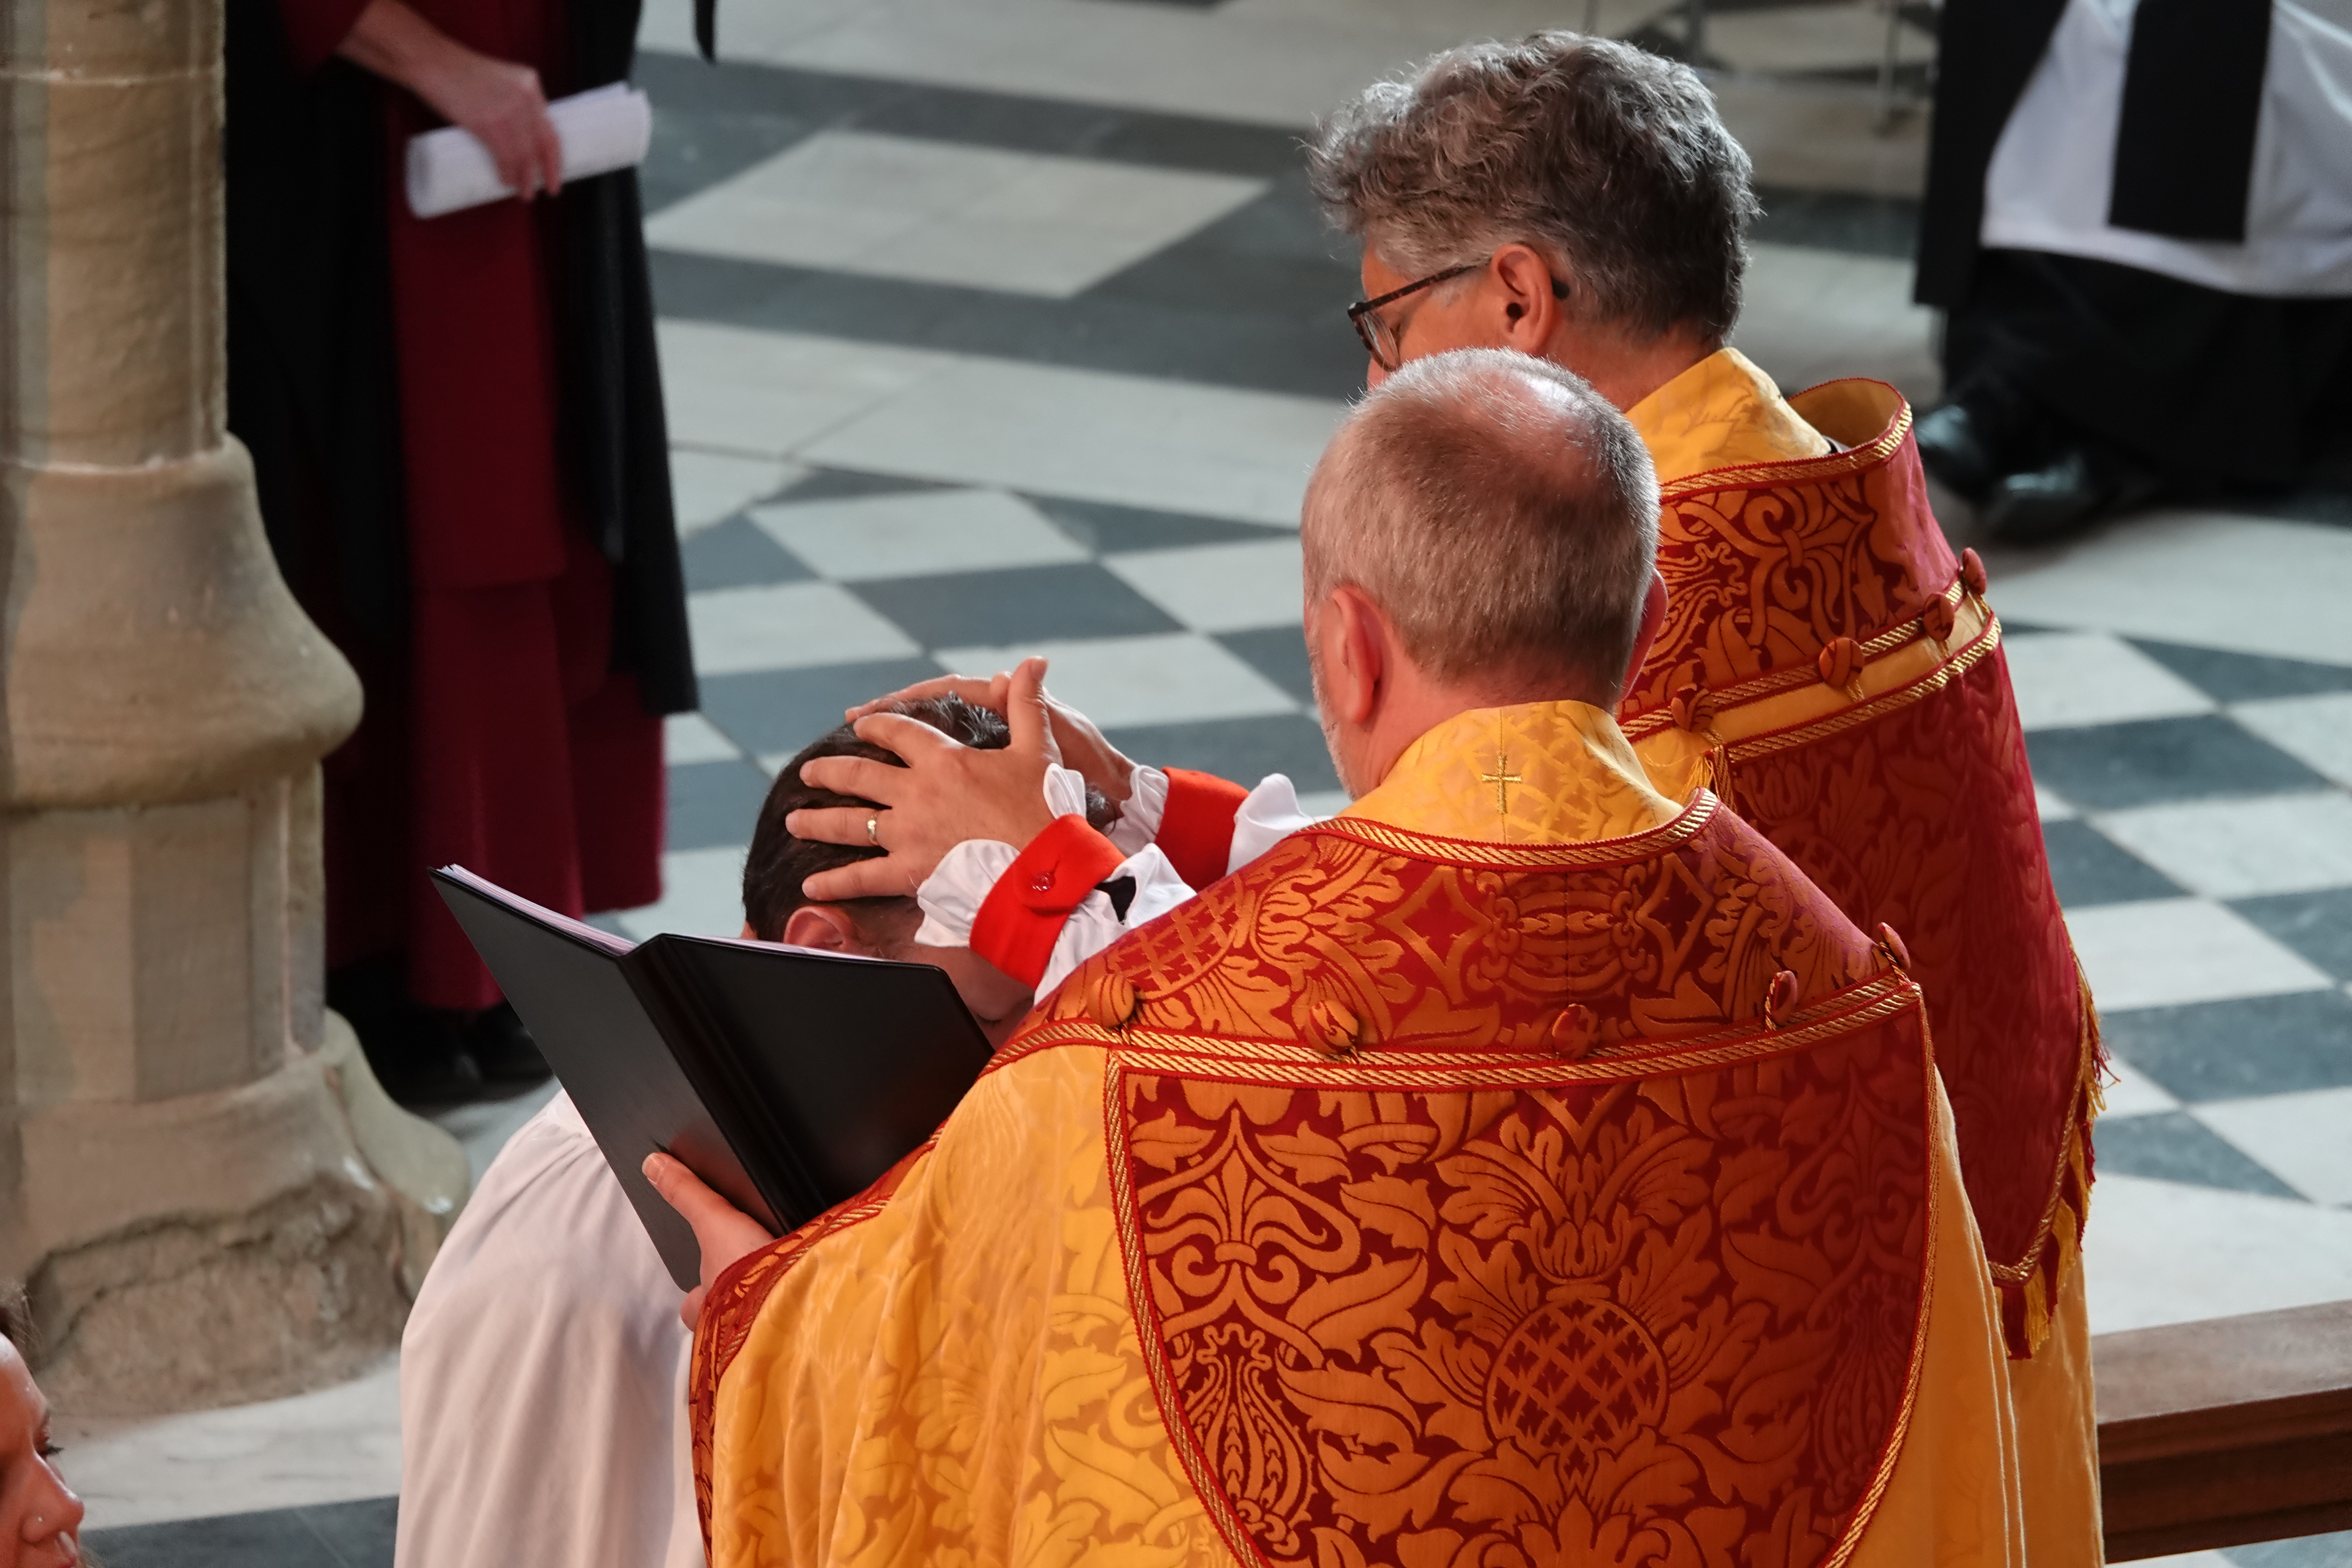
x=1502, y=779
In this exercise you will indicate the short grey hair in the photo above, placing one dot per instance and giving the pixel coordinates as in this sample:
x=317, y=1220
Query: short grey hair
x=1501, y=512
x=1610, y=162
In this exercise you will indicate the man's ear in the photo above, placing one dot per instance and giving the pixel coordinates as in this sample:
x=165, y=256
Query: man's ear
x=824, y=927
x=1353, y=654
x=1654, y=618
x=1530, y=311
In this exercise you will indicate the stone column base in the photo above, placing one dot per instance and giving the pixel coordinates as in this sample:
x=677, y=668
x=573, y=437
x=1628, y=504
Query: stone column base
x=208, y=1249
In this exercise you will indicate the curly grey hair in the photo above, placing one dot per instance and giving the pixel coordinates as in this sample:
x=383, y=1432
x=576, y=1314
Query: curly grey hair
x=1502, y=513
x=1609, y=161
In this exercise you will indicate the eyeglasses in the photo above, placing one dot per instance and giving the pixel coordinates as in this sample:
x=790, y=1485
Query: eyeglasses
x=1384, y=341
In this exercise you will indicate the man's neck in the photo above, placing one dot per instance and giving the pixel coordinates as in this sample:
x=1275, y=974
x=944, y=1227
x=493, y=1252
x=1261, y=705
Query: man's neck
x=1408, y=714
x=1625, y=370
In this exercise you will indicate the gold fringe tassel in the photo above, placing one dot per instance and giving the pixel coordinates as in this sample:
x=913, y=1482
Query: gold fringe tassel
x=2028, y=1304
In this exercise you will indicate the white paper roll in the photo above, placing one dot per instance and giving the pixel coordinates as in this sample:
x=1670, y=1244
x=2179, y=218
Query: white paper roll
x=602, y=129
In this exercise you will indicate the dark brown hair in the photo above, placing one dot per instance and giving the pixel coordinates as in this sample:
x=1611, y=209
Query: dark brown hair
x=779, y=863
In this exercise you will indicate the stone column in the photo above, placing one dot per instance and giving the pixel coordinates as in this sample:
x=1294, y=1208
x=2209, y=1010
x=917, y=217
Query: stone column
x=181, y=1186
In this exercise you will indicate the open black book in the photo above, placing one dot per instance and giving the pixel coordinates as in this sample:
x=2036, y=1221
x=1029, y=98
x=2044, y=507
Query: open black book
x=787, y=1078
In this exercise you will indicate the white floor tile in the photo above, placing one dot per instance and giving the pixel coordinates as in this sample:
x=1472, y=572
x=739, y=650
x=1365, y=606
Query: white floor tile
x=2184, y=1560
x=702, y=895
x=787, y=626
x=2242, y=848
x=2208, y=579
x=944, y=212
x=1170, y=679
x=1128, y=440
x=2305, y=1139
x=1219, y=587
x=691, y=738
x=754, y=394
x=1812, y=315
x=917, y=533
x=2170, y=952
x=337, y=1444
x=2134, y=1093
x=2157, y=1252
x=711, y=486
x=2093, y=678
x=2316, y=730
x=2051, y=806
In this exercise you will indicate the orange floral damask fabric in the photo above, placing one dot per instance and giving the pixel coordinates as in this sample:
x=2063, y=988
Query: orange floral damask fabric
x=1489, y=1205
x=1914, y=808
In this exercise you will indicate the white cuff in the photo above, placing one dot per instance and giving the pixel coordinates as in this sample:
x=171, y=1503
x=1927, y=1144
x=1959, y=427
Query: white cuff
x=951, y=895
x=1140, y=813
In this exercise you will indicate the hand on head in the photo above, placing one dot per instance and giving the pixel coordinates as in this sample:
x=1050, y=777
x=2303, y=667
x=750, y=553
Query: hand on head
x=1082, y=746
x=945, y=794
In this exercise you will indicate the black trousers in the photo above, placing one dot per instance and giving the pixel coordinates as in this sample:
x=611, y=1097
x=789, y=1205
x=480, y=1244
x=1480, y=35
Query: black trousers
x=2203, y=389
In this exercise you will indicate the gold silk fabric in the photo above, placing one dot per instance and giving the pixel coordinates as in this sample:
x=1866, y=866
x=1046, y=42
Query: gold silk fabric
x=1456, y=1186
x=1722, y=413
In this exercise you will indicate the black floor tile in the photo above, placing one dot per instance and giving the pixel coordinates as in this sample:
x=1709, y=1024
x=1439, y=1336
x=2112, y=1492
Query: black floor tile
x=335, y=1535
x=2106, y=767
x=2089, y=868
x=823, y=100
x=1278, y=653
x=2174, y=1146
x=1017, y=604
x=1230, y=342
x=1106, y=530
x=2245, y=677
x=769, y=712
x=2316, y=925
x=2231, y=1051
x=713, y=805
x=1834, y=220
x=738, y=553
x=1244, y=749
x=851, y=484
x=2333, y=1550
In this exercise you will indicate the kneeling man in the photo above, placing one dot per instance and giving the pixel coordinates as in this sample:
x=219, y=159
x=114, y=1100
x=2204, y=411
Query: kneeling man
x=1519, y=1167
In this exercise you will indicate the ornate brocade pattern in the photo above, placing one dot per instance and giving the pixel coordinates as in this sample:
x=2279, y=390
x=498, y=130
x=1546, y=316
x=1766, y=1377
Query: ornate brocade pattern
x=1915, y=809
x=1680, y=932
x=1667, y=1320
x=1766, y=564
x=1634, y=1308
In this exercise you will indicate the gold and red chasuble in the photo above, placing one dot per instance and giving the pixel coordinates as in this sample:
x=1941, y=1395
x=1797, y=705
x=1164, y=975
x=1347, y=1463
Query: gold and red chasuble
x=1517, y=1170
x=1832, y=672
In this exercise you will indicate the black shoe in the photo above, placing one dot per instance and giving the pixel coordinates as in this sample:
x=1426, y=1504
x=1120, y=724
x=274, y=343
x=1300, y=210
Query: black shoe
x=1953, y=449
x=2064, y=496
x=504, y=1050
x=412, y=1050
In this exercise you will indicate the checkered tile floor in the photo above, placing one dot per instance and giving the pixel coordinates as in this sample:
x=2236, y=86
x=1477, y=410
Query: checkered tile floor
x=1002, y=326
x=959, y=375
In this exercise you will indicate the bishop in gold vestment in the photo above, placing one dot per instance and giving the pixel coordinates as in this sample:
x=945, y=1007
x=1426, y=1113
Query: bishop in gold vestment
x=1523, y=1167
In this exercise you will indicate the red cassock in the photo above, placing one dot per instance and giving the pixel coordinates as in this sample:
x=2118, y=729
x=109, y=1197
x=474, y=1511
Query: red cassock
x=510, y=743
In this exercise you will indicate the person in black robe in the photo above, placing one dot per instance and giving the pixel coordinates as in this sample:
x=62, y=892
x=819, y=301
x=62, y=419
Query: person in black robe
x=459, y=449
x=2182, y=332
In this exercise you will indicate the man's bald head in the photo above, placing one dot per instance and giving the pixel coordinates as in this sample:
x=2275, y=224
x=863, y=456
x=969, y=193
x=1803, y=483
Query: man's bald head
x=1501, y=514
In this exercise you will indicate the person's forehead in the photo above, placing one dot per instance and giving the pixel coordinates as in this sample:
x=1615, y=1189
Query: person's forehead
x=21, y=1403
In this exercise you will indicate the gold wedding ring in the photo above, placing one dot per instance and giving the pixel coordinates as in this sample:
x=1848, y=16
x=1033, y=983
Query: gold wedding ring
x=874, y=831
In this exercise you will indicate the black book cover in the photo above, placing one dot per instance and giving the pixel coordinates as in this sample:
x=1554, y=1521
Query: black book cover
x=787, y=1080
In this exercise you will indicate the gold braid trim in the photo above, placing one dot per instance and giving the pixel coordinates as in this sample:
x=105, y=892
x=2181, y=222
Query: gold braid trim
x=1961, y=661
x=1182, y=1055
x=1772, y=683
x=2029, y=1286
x=1644, y=846
x=1803, y=470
